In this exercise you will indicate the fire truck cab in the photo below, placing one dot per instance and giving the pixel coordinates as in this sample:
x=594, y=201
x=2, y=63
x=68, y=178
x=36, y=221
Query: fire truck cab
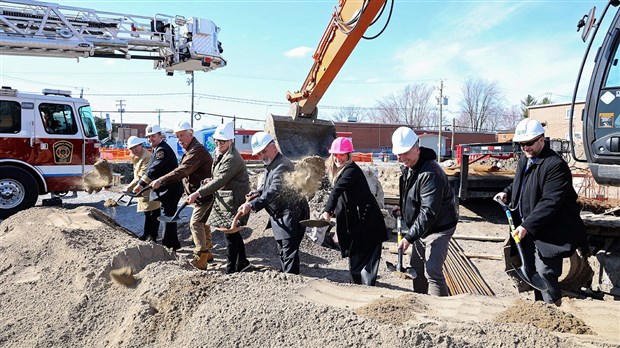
x=47, y=143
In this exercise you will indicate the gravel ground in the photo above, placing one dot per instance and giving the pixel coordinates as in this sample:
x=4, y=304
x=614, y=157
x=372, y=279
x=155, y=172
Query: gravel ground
x=55, y=290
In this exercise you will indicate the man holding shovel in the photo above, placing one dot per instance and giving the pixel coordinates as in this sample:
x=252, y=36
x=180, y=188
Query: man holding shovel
x=195, y=165
x=428, y=210
x=140, y=159
x=546, y=211
x=285, y=206
x=229, y=185
x=163, y=161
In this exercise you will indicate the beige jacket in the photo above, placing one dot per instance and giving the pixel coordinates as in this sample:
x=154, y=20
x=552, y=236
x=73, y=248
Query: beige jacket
x=140, y=165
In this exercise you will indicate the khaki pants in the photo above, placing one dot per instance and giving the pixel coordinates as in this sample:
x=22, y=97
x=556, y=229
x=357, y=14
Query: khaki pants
x=201, y=233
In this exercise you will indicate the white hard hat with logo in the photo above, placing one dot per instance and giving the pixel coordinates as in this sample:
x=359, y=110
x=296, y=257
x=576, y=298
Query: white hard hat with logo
x=224, y=131
x=527, y=130
x=134, y=141
x=403, y=140
x=152, y=129
x=260, y=140
x=182, y=126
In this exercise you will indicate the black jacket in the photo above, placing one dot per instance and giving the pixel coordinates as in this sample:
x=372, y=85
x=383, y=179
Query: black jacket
x=163, y=161
x=426, y=199
x=359, y=222
x=549, y=208
x=285, y=206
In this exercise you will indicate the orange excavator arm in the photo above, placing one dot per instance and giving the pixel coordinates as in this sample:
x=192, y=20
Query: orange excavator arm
x=301, y=133
x=345, y=29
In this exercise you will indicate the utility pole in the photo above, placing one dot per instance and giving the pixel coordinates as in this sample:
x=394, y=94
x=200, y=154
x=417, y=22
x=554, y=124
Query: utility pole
x=121, y=108
x=191, y=80
x=440, y=120
x=158, y=116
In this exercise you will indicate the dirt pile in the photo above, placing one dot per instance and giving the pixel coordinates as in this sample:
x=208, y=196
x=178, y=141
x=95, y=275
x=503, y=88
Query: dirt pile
x=543, y=316
x=55, y=290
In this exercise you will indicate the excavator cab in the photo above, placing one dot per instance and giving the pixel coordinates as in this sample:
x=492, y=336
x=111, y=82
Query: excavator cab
x=601, y=115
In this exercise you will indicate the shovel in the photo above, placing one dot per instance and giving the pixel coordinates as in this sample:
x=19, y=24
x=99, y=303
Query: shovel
x=398, y=268
x=524, y=272
x=125, y=199
x=314, y=223
x=175, y=217
x=233, y=226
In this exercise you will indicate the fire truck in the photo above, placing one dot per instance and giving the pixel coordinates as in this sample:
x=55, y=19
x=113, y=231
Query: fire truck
x=49, y=141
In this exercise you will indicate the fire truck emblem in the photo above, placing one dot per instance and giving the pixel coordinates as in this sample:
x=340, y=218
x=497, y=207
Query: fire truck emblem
x=63, y=151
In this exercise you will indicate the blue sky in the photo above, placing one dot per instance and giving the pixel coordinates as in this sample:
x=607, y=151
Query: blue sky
x=529, y=47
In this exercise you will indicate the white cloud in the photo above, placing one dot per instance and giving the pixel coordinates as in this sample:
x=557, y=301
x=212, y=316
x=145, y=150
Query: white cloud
x=298, y=52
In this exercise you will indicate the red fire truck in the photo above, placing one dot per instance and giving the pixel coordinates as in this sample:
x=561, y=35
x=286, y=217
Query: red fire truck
x=47, y=143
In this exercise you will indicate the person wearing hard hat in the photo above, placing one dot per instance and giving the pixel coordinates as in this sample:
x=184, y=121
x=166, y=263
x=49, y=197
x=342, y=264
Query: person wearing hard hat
x=428, y=209
x=195, y=165
x=140, y=159
x=163, y=161
x=545, y=202
x=285, y=206
x=359, y=222
x=229, y=185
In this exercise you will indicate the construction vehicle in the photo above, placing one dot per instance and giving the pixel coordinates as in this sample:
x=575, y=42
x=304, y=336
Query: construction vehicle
x=601, y=115
x=601, y=141
x=173, y=43
x=48, y=142
x=301, y=132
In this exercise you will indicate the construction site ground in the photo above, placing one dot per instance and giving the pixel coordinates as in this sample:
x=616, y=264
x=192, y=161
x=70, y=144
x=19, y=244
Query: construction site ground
x=55, y=290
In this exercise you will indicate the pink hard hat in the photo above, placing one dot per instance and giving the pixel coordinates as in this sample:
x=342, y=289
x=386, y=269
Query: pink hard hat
x=341, y=145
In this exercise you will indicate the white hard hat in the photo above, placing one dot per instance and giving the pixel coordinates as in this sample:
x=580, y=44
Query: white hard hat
x=182, y=126
x=225, y=131
x=527, y=130
x=403, y=140
x=134, y=141
x=152, y=129
x=260, y=140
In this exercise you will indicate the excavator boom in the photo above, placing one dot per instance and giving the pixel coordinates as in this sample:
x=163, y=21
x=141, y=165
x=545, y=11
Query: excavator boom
x=301, y=132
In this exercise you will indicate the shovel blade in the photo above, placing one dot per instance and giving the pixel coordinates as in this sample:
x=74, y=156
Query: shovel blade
x=534, y=280
x=124, y=201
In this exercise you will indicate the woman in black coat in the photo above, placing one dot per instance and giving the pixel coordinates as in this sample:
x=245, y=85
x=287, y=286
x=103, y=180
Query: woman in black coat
x=360, y=226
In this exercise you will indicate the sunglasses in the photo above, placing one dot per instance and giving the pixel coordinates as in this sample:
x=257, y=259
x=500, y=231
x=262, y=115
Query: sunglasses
x=531, y=142
x=217, y=141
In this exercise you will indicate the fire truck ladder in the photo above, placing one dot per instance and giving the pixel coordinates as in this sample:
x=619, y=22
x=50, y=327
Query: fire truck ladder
x=32, y=28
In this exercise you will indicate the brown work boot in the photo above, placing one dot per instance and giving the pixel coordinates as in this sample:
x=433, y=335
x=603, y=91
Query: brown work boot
x=209, y=256
x=201, y=260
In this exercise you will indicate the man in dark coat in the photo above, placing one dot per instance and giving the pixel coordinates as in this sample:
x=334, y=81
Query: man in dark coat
x=428, y=209
x=359, y=222
x=163, y=161
x=543, y=196
x=285, y=206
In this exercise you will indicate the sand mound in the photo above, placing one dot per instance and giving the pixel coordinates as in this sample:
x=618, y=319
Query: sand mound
x=543, y=316
x=55, y=290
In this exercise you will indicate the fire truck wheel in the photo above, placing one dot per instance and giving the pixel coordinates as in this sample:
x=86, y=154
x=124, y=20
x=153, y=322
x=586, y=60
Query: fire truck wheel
x=18, y=190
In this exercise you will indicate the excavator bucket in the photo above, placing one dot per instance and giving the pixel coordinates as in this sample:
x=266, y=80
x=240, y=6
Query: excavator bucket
x=301, y=137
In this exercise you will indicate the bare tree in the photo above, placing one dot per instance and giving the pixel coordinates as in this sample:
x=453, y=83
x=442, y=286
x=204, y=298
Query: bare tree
x=412, y=105
x=510, y=117
x=350, y=114
x=481, y=105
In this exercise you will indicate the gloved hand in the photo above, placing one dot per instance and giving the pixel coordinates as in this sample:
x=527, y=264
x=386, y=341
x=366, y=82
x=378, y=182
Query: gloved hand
x=502, y=196
x=396, y=212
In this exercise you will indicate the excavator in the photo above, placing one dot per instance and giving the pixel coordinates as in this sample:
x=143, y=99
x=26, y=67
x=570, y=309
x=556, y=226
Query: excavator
x=601, y=115
x=301, y=132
